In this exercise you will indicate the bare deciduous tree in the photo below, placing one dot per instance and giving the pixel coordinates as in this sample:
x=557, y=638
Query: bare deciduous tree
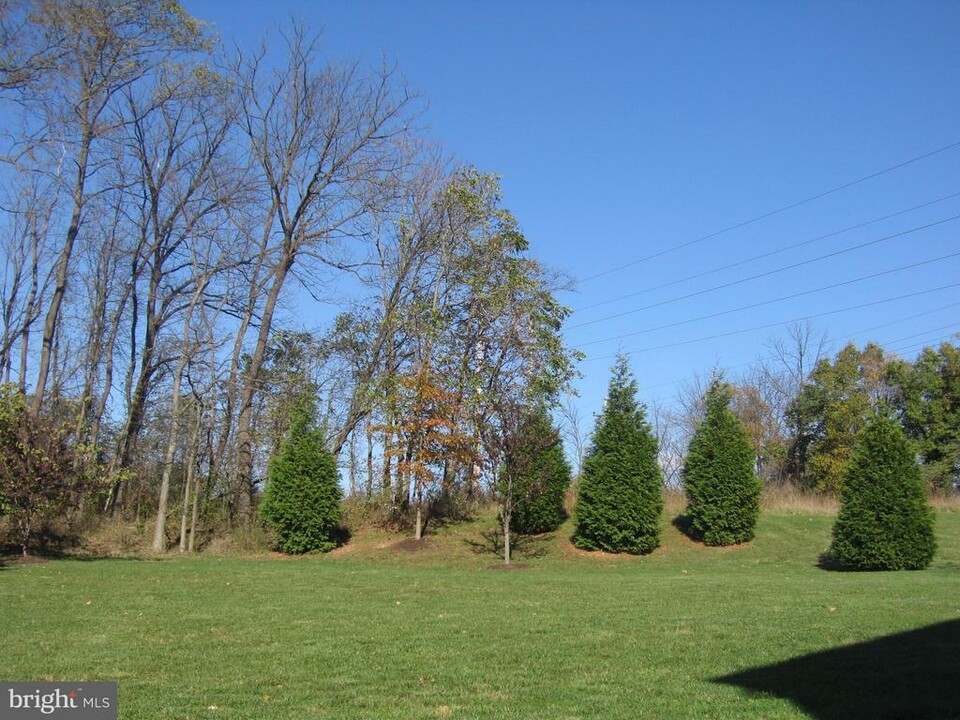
x=323, y=140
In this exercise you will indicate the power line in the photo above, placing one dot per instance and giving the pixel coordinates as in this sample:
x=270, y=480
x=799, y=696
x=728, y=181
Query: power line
x=761, y=303
x=781, y=322
x=771, y=253
x=913, y=347
x=925, y=332
x=772, y=213
x=767, y=273
x=832, y=340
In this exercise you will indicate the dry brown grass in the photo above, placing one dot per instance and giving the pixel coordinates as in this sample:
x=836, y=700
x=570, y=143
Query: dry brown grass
x=117, y=538
x=949, y=503
x=785, y=498
x=774, y=499
x=674, y=502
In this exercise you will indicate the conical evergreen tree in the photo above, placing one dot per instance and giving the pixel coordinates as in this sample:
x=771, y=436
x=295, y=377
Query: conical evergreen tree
x=884, y=522
x=301, y=502
x=621, y=491
x=723, y=492
x=541, y=477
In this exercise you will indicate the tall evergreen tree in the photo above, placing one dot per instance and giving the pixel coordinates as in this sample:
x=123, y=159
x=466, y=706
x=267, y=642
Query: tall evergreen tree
x=884, y=522
x=301, y=502
x=723, y=492
x=620, y=493
x=541, y=476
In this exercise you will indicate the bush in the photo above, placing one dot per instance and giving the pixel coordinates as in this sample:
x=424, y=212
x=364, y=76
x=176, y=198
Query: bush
x=884, y=522
x=621, y=493
x=41, y=472
x=301, y=502
x=541, y=476
x=723, y=492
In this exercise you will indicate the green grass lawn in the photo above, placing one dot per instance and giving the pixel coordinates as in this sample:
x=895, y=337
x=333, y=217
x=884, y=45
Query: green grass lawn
x=367, y=632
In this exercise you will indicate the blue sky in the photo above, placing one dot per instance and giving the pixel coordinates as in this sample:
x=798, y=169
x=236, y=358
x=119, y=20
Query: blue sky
x=625, y=129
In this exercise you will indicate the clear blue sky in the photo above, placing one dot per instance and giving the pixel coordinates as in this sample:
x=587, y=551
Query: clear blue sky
x=623, y=129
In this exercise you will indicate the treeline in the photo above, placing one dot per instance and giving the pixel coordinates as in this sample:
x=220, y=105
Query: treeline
x=884, y=523
x=803, y=410
x=169, y=206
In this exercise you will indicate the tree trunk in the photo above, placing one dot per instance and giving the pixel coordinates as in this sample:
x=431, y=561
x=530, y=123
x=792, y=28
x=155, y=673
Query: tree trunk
x=63, y=271
x=190, y=477
x=245, y=485
x=353, y=465
x=159, y=539
x=369, y=432
x=195, y=509
x=506, y=538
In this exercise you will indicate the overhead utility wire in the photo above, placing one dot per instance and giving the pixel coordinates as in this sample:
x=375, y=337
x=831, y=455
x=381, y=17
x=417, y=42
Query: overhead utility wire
x=773, y=301
x=856, y=332
x=771, y=253
x=781, y=322
x=913, y=347
x=925, y=332
x=767, y=273
x=771, y=213
x=898, y=321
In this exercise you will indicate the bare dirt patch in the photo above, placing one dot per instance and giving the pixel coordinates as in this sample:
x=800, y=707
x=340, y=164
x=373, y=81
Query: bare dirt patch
x=409, y=545
x=571, y=549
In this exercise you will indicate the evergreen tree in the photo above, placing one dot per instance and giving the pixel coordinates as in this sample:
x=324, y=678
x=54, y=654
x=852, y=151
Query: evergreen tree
x=301, y=502
x=541, y=476
x=620, y=495
x=723, y=492
x=885, y=522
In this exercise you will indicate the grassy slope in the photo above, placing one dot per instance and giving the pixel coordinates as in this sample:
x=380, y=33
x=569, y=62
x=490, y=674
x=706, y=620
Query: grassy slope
x=366, y=632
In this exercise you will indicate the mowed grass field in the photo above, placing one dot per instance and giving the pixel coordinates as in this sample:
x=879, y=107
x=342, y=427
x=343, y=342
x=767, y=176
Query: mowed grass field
x=372, y=631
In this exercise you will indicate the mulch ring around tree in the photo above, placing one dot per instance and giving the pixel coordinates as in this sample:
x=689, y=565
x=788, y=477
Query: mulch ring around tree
x=409, y=545
x=24, y=560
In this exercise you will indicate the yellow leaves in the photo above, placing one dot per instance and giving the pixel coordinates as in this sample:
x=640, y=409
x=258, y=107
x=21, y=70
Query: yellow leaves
x=429, y=426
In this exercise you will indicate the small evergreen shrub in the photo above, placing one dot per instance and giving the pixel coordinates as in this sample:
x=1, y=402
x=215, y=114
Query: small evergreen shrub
x=541, y=479
x=723, y=492
x=620, y=495
x=301, y=502
x=884, y=521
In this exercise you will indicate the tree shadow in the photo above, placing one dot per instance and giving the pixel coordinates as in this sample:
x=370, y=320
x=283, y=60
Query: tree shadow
x=828, y=562
x=684, y=524
x=528, y=546
x=341, y=535
x=910, y=675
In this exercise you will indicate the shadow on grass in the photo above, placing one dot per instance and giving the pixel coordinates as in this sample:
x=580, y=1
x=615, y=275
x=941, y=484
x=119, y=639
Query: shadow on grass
x=828, y=562
x=914, y=675
x=341, y=535
x=684, y=524
x=528, y=546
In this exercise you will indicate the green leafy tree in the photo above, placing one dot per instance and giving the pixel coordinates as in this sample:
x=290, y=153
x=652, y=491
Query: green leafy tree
x=41, y=469
x=834, y=405
x=929, y=405
x=884, y=522
x=723, y=492
x=620, y=492
x=540, y=476
x=301, y=502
